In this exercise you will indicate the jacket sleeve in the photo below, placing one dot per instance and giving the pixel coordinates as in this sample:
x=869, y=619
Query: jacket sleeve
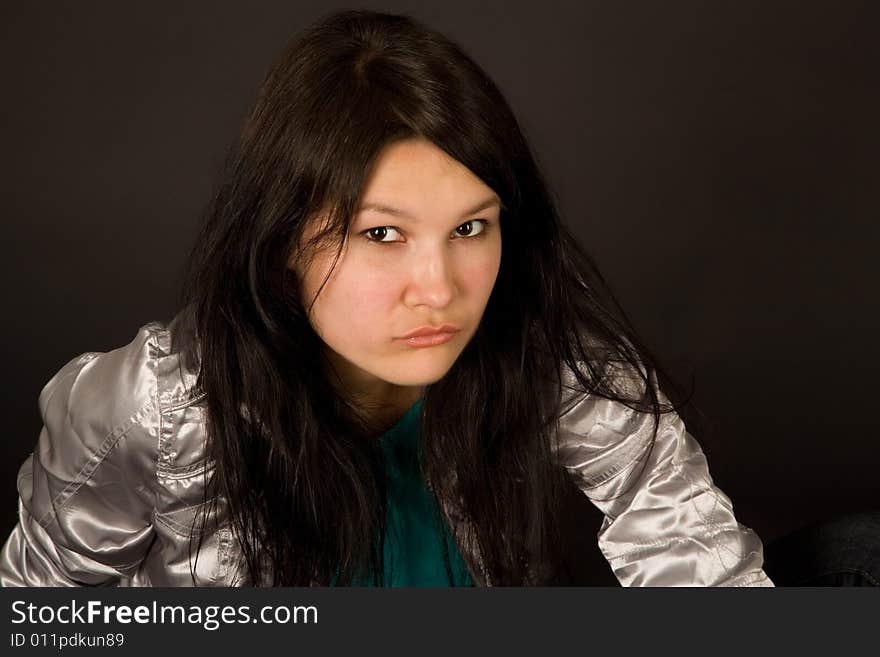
x=666, y=523
x=86, y=493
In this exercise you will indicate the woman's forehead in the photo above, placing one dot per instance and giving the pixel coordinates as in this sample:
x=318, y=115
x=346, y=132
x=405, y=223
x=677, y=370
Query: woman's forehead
x=412, y=176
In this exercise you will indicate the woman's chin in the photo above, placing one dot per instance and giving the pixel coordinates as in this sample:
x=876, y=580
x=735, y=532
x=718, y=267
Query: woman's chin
x=419, y=375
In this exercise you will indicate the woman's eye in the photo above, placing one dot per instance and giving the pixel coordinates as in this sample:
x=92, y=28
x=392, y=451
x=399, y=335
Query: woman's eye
x=379, y=233
x=389, y=234
x=471, y=228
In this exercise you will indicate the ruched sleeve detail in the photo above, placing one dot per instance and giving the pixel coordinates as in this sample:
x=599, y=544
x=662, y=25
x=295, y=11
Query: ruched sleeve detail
x=666, y=523
x=88, y=491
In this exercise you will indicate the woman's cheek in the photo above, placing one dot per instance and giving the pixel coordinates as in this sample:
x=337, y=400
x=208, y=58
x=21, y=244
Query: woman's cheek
x=481, y=272
x=368, y=293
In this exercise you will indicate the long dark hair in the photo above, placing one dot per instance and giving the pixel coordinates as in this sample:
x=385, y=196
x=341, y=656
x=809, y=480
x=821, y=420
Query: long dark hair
x=303, y=487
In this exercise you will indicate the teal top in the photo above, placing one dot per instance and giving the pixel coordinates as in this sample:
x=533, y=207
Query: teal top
x=415, y=534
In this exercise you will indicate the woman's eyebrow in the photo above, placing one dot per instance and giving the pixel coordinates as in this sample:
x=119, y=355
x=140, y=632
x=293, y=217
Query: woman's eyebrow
x=396, y=212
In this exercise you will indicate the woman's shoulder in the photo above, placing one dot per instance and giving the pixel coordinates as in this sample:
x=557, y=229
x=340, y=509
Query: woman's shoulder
x=118, y=383
x=115, y=464
x=108, y=407
x=601, y=436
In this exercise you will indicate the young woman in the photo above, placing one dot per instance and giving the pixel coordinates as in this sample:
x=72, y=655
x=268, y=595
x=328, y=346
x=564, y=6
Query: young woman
x=391, y=364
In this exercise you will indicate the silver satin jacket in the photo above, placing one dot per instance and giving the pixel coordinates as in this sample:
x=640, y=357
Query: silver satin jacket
x=110, y=493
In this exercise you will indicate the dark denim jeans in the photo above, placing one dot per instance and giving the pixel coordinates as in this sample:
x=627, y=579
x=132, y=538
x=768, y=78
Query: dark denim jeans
x=841, y=552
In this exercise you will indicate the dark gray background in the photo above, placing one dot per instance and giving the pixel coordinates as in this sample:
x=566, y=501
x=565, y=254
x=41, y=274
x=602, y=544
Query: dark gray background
x=718, y=159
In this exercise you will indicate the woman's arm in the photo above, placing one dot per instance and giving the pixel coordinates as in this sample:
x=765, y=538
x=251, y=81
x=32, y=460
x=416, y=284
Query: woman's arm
x=666, y=523
x=87, y=493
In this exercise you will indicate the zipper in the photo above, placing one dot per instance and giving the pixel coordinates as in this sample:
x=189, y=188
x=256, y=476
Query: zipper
x=472, y=548
x=486, y=578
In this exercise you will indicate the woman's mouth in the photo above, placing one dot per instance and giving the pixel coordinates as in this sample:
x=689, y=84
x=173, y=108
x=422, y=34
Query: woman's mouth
x=429, y=336
x=429, y=340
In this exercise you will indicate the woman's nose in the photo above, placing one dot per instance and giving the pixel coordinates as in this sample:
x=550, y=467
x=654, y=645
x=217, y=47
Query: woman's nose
x=431, y=280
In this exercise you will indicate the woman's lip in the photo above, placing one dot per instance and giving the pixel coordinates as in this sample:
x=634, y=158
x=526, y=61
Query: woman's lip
x=429, y=331
x=429, y=340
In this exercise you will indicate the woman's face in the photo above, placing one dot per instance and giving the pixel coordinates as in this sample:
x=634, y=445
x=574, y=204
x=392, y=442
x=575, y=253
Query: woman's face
x=424, y=250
